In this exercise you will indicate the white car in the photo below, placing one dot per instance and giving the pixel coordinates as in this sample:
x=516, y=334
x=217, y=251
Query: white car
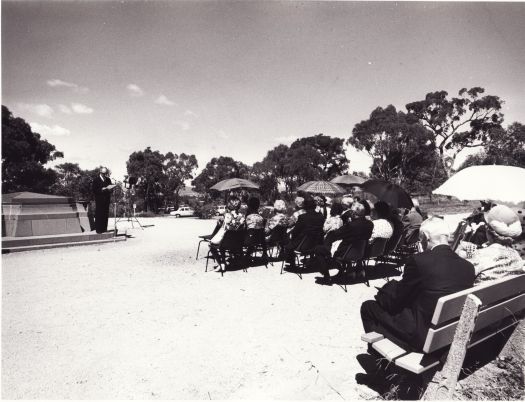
x=221, y=209
x=182, y=211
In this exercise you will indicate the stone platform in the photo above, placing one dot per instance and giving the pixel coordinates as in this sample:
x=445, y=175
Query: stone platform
x=15, y=244
x=34, y=221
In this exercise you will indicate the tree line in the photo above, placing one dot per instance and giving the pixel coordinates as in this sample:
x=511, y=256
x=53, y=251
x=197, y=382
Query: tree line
x=415, y=147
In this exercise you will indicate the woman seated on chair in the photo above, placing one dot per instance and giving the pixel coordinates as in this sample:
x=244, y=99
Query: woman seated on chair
x=277, y=220
x=381, y=216
x=299, y=210
x=254, y=227
x=333, y=222
x=497, y=258
x=232, y=220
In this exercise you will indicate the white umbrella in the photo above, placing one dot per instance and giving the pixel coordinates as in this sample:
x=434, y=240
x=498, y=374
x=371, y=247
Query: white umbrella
x=488, y=182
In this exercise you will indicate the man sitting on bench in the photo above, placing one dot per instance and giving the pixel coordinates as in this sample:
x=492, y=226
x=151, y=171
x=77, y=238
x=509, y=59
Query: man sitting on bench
x=403, y=310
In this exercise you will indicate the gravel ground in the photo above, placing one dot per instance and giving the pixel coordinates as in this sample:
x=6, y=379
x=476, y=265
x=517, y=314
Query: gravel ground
x=142, y=320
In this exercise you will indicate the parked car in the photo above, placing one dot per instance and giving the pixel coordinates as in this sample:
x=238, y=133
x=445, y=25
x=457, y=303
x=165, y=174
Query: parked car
x=182, y=211
x=221, y=209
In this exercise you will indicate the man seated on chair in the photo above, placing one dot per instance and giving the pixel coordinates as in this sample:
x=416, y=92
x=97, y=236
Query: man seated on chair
x=308, y=224
x=402, y=310
x=358, y=229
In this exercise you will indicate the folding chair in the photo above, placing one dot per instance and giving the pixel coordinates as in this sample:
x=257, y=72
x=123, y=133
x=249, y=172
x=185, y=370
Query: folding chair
x=459, y=234
x=230, y=248
x=255, y=242
x=352, y=258
x=276, y=241
x=374, y=250
x=207, y=238
x=304, y=249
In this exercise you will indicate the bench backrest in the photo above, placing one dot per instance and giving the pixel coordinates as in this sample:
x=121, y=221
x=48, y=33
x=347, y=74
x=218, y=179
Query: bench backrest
x=501, y=300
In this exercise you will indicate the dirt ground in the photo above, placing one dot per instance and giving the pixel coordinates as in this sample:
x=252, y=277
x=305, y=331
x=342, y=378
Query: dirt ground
x=142, y=320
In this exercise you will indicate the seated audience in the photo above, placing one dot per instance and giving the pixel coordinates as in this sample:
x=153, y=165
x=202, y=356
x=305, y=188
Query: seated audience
x=475, y=231
x=346, y=216
x=279, y=219
x=397, y=233
x=310, y=224
x=320, y=202
x=231, y=220
x=253, y=219
x=254, y=227
x=357, y=230
x=411, y=222
x=402, y=310
x=299, y=210
x=497, y=259
x=381, y=216
x=334, y=221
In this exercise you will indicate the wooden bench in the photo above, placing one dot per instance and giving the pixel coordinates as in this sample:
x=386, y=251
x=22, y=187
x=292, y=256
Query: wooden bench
x=460, y=321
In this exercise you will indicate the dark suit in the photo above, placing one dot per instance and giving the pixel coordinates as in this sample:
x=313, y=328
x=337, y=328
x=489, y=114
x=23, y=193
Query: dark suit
x=357, y=230
x=102, y=201
x=308, y=224
x=403, y=313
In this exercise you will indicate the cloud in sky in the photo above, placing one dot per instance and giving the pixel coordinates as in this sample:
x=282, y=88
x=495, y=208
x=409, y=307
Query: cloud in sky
x=81, y=109
x=183, y=124
x=40, y=109
x=222, y=135
x=286, y=140
x=59, y=83
x=65, y=109
x=190, y=113
x=135, y=90
x=55, y=130
x=163, y=100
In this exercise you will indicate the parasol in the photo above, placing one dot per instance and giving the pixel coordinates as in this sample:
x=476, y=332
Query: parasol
x=388, y=192
x=230, y=184
x=321, y=187
x=487, y=182
x=348, y=180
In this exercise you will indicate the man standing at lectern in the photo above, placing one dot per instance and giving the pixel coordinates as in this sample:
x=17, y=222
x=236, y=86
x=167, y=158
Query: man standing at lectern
x=102, y=190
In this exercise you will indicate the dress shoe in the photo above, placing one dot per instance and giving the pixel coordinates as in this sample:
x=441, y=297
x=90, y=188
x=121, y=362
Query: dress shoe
x=323, y=280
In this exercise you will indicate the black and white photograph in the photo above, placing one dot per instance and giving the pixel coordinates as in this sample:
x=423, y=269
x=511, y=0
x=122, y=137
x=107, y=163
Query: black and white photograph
x=277, y=200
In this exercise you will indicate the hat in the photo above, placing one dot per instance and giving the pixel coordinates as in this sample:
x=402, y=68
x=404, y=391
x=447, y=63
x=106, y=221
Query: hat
x=347, y=201
x=503, y=221
x=234, y=203
x=318, y=200
x=299, y=202
x=279, y=206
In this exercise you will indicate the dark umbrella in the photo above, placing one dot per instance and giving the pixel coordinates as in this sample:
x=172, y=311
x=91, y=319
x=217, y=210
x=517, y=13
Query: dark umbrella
x=321, y=187
x=388, y=192
x=348, y=180
x=231, y=184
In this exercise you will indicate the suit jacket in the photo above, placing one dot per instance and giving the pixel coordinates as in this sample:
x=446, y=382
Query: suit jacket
x=427, y=277
x=101, y=196
x=359, y=229
x=308, y=224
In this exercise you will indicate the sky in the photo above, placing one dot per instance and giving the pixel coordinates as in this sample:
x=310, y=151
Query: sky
x=100, y=80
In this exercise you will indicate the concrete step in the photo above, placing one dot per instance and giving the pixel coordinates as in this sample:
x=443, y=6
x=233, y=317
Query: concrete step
x=9, y=242
x=56, y=245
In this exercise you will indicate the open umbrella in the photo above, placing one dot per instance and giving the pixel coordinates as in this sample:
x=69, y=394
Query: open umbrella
x=388, y=192
x=487, y=182
x=321, y=187
x=230, y=184
x=348, y=180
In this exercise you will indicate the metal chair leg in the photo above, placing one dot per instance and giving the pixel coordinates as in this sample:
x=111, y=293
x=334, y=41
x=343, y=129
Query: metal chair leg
x=198, y=247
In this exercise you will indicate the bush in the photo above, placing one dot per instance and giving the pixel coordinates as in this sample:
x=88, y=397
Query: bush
x=204, y=211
